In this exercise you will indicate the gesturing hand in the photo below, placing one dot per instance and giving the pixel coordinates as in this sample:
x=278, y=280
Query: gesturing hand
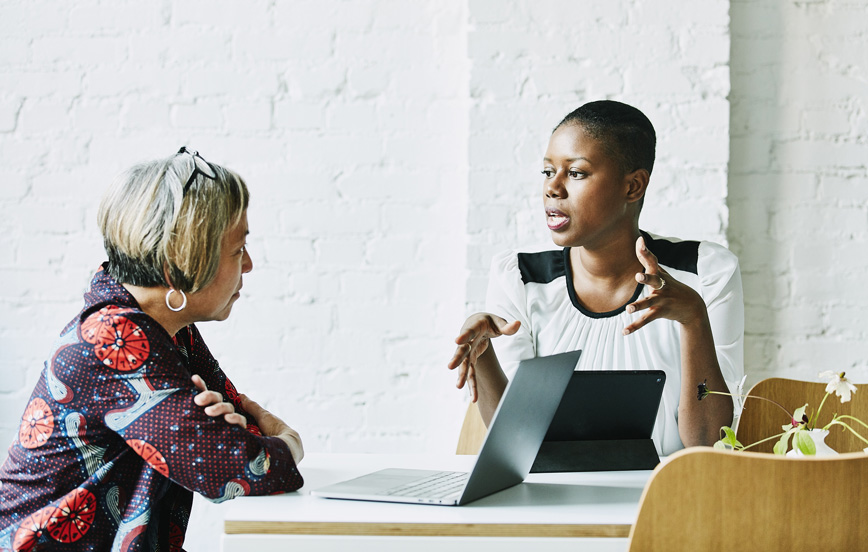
x=272, y=426
x=214, y=405
x=473, y=340
x=668, y=299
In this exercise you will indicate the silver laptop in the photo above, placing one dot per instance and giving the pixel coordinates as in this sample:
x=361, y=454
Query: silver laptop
x=514, y=436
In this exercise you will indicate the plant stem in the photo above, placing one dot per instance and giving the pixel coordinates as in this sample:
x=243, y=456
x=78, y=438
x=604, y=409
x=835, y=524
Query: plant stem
x=816, y=416
x=836, y=422
x=778, y=436
x=852, y=418
x=753, y=397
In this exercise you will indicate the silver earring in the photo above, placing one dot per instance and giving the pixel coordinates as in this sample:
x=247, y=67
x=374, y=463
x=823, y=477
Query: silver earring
x=183, y=304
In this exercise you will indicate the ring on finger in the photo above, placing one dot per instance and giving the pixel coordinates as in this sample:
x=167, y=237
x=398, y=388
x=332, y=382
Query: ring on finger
x=662, y=284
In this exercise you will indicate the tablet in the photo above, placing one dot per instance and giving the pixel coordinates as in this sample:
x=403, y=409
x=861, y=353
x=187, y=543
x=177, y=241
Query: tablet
x=604, y=422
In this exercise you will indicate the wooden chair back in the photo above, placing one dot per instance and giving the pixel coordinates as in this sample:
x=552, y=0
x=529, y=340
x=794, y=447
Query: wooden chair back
x=473, y=432
x=761, y=419
x=708, y=499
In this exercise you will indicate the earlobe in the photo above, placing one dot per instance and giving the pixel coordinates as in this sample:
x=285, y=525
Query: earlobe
x=637, y=184
x=166, y=277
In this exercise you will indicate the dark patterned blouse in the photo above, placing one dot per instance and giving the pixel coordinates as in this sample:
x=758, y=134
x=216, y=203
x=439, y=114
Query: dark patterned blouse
x=111, y=445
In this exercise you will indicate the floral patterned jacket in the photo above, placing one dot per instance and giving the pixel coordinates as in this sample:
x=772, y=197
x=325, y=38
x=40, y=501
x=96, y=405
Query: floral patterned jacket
x=111, y=445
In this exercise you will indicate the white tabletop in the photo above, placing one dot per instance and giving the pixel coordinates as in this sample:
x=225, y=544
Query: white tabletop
x=598, y=499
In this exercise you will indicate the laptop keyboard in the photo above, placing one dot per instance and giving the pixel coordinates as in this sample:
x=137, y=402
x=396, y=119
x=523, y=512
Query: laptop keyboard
x=438, y=485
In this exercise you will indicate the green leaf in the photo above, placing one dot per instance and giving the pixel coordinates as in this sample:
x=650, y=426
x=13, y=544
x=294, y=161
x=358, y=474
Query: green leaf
x=802, y=440
x=781, y=446
x=729, y=438
x=721, y=445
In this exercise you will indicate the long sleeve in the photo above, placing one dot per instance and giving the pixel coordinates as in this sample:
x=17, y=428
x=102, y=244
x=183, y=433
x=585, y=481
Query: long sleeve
x=111, y=445
x=721, y=289
x=154, y=413
x=506, y=298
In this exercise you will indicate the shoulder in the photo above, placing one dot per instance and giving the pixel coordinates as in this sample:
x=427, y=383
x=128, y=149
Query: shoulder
x=123, y=338
x=674, y=253
x=540, y=267
x=715, y=258
x=112, y=318
x=702, y=258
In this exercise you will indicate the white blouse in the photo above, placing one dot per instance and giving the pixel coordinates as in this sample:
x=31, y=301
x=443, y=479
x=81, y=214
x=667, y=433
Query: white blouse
x=537, y=289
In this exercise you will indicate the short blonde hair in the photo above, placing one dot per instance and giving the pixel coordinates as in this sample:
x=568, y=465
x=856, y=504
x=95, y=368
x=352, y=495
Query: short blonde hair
x=153, y=227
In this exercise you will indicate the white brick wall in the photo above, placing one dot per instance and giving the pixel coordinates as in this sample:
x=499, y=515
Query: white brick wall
x=392, y=148
x=797, y=184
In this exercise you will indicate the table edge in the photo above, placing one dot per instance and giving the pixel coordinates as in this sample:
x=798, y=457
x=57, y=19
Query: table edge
x=598, y=530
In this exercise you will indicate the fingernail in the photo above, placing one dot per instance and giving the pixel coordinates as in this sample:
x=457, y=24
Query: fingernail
x=626, y=331
x=630, y=309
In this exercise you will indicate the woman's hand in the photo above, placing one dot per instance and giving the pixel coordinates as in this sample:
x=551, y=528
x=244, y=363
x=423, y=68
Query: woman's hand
x=272, y=426
x=214, y=405
x=476, y=333
x=668, y=299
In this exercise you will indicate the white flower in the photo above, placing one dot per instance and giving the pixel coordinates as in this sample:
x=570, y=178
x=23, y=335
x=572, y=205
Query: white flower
x=838, y=384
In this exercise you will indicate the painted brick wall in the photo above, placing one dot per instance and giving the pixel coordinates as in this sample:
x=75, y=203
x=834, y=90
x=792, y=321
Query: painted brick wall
x=797, y=184
x=392, y=148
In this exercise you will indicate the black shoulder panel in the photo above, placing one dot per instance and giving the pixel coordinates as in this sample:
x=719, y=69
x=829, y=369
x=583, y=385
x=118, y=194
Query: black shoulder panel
x=681, y=255
x=542, y=267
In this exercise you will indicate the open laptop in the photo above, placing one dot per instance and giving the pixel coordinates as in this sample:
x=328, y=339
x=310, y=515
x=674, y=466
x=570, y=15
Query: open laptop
x=604, y=423
x=514, y=436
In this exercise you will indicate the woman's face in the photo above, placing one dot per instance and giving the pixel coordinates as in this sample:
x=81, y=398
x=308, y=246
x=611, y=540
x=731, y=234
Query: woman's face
x=214, y=301
x=584, y=190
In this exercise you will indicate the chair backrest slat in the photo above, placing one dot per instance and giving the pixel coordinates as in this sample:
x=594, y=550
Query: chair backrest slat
x=707, y=499
x=473, y=432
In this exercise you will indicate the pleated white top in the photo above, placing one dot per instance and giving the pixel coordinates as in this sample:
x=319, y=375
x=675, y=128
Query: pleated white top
x=537, y=290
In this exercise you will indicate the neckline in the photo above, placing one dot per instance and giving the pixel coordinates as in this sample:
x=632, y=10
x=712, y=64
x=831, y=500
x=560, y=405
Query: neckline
x=571, y=290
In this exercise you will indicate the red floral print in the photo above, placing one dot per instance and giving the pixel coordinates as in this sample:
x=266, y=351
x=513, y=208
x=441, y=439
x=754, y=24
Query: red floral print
x=73, y=516
x=176, y=538
x=99, y=322
x=37, y=424
x=231, y=392
x=122, y=346
x=151, y=455
x=31, y=529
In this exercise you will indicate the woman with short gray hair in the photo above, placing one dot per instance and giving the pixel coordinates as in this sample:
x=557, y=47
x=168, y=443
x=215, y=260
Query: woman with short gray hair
x=131, y=413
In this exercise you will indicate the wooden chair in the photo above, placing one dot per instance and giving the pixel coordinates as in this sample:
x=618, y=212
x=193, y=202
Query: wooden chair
x=708, y=499
x=473, y=432
x=761, y=419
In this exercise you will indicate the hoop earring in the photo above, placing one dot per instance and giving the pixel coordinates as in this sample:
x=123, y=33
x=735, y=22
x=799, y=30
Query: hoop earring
x=183, y=304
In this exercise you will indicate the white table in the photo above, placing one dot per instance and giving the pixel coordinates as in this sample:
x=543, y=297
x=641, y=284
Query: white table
x=559, y=510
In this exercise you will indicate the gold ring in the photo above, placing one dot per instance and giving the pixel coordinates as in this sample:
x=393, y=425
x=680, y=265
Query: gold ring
x=662, y=284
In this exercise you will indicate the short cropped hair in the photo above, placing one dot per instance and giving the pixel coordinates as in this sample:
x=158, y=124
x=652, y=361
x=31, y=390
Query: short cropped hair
x=623, y=131
x=152, y=227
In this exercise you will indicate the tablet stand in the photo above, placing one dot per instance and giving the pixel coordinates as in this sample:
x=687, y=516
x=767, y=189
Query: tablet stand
x=598, y=455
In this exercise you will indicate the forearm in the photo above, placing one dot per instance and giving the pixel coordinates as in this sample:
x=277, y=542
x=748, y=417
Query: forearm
x=293, y=442
x=490, y=384
x=699, y=422
x=209, y=455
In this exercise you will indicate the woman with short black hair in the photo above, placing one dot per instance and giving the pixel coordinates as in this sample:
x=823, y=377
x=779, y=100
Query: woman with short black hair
x=630, y=300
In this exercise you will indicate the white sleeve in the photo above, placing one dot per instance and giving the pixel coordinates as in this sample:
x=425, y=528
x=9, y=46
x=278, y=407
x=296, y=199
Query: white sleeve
x=720, y=286
x=507, y=298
